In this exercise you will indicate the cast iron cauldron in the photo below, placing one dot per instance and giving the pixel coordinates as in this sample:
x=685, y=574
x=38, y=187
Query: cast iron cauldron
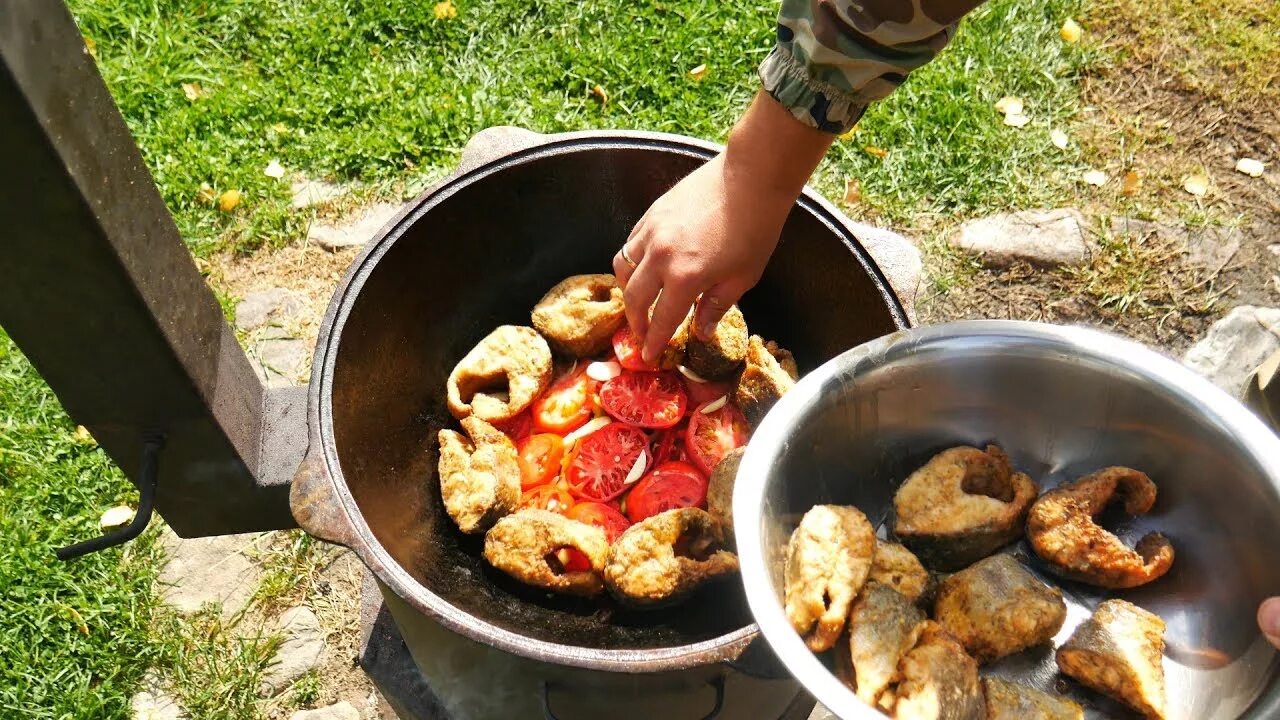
x=477, y=252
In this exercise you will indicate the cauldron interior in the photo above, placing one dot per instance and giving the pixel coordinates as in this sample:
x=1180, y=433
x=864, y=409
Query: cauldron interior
x=481, y=256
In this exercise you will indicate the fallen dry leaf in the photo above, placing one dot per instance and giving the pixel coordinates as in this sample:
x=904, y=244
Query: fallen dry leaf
x=82, y=435
x=1095, y=177
x=229, y=200
x=1070, y=31
x=1016, y=120
x=1130, y=184
x=699, y=72
x=599, y=92
x=445, y=10
x=193, y=91
x=280, y=128
x=1250, y=167
x=274, y=170
x=848, y=134
x=852, y=191
x=1196, y=184
x=1058, y=138
x=206, y=193
x=1009, y=105
x=116, y=517
x=76, y=618
x=91, y=46
x=873, y=150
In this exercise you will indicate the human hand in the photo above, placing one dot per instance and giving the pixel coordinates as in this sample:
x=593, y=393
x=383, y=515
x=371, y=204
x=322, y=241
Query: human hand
x=708, y=239
x=1269, y=620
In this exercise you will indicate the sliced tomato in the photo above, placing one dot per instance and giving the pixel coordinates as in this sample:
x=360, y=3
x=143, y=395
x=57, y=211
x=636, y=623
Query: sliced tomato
x=703, y=393
x=629, y=349
x=649, y=400
x=539, y=457
x=547, y=497
x=573, y=560
x=713, y=435
x=518, y=427
x=598, y=468
x=671, y=485
x=669, y=444
x=603, y=516
x=566, y=406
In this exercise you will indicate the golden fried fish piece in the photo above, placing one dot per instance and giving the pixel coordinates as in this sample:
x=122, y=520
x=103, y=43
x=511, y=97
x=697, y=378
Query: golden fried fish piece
x=962, y=506
x=828, y=560
x=1013, y=701
x=528, y=546
x=883, y=627
x=720, y=491
x=995, y=608
x=1061, y=529
x=1118, y=652
x=939, y=680
x=770, y=372
x=662, y=559
x=722, y=354
x=580, y=314
x=896, y=566
x=479, y=475
x=501, y=376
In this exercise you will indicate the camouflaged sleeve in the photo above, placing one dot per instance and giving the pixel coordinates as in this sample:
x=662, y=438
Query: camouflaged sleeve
x=835, y=57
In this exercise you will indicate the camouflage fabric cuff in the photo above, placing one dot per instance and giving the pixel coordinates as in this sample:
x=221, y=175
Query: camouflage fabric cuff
x=816, y=103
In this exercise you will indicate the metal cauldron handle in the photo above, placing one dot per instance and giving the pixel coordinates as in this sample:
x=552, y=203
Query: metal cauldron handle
x=314, y=501
x=717, y=684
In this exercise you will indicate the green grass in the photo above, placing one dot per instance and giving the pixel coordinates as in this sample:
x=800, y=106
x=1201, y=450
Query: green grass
x=74, y=638
x=384, y=93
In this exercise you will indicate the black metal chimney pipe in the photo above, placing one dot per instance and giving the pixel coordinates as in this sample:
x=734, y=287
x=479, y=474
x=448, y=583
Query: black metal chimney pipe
x=101, y=294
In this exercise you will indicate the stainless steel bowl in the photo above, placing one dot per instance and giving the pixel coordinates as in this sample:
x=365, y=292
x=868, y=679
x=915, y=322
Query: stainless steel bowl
x=1062, y=402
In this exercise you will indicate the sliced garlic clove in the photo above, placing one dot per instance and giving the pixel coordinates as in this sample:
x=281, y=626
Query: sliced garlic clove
x=637, y=470
x=691, y=375
x=715, y=405
x=592, y=425
x=604, y=371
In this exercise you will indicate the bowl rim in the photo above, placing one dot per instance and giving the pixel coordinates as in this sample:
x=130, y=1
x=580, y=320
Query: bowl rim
x=1258, y=440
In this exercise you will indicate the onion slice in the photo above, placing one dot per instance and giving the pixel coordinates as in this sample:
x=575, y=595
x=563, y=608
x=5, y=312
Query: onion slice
x=637, y=470
x=715, y=405
x=691, y=375
x=592, y=425
x=604, y=371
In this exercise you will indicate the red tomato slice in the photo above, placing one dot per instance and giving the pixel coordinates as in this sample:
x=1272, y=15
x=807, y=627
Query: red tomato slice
x=599, y=466
x=671, y=485
x=629, y=349
x=539, y=457
x=649, y=400
x=573, y=560
x=713, y=435
x=566, y=406
x=702, y=393
x=547, y=497
x=518, y=427
x=669, y=444
x=605, y=517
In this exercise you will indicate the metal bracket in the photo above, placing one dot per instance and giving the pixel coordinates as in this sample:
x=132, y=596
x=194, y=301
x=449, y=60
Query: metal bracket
x=147, y=486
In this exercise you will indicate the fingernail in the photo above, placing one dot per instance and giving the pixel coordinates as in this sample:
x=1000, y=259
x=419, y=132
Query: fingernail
x=1269, y=617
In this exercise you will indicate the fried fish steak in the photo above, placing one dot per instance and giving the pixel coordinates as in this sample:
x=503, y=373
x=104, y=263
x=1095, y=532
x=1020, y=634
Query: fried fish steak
x=883, y=627
x=1013, y=701
x=1118, y=652
x=580, y=314
x=769, y=373
x=720, y=491
x=962, y=506
x=939, y=680
x=724, y=352
x=1063, y=533
x=501, y=376
x=828, y=559
x=995, y=608
x=664, y=558
x=479, y=475
x=529, y=547
x=896, y=566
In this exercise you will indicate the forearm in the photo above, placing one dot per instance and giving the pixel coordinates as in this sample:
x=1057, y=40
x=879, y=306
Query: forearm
x=770, y=154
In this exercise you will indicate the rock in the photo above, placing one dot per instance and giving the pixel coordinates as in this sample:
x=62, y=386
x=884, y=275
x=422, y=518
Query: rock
x=354, y=231
x=213, y=570
x=313, y=192
x=1210, y=247
x=1235, y=346
x=258, y=308
x=280, y=361
x=300, y=649
x=342, y=711
x=897, y=257
x=1047, y=238
x=155, y=706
